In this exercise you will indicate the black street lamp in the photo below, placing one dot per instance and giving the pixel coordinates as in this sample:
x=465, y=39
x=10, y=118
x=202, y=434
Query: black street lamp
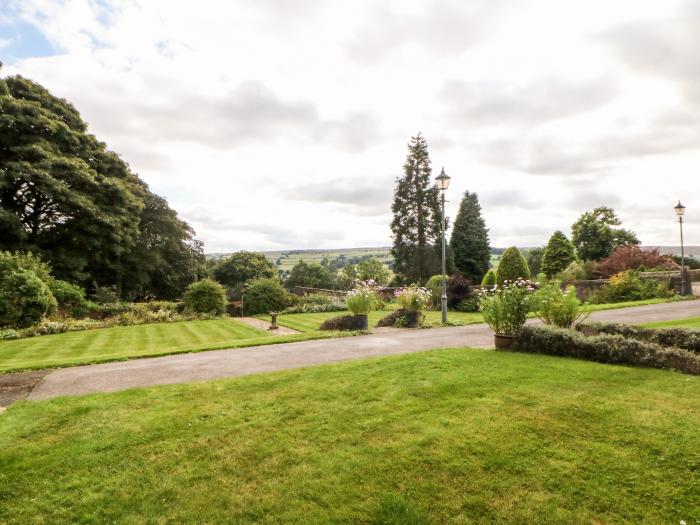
x=443, y=182
x=680, y=210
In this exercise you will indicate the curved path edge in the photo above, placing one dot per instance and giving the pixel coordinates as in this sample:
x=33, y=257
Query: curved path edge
x=216, y=364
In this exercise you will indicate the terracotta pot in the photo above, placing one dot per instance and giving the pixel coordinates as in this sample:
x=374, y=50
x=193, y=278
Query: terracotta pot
x=360, y=322
x=503, y=342
x=412, y=319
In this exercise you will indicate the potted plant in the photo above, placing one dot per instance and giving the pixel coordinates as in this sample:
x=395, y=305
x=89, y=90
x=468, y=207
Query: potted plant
x=505, y=309
x=413, y=299
x=361, y=300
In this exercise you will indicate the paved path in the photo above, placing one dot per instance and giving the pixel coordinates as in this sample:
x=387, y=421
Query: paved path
x=216, y=364
x=265, y=325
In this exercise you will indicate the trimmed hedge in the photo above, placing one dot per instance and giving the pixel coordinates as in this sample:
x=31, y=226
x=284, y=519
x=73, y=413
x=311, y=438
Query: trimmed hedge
x=678, y=337
x=512, y=266
x=604, y=348
x=342, y=322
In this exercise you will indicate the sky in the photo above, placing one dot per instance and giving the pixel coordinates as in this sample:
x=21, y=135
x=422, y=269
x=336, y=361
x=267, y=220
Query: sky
x=283, y=124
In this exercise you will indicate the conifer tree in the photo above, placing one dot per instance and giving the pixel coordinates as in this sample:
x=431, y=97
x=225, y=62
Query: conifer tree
x=558, y=254
x=470, y=240
x=512, y=266
x=416, y=224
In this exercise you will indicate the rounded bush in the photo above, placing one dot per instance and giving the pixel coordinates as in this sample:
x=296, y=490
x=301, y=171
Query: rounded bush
x=205, y=297
x=512, y=266
x=24, y=299
x=489, y=279
x=70, y=297
x=434, y=284
x=263, y=296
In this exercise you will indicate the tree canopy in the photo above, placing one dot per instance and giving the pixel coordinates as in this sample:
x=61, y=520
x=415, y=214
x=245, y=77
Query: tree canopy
x=595, y=238
x=470, y=240
x=416, y=224
x=241, y=267
x=68, y=199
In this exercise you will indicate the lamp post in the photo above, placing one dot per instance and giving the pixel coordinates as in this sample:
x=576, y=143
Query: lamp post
x=680, y=210
x=443, y=182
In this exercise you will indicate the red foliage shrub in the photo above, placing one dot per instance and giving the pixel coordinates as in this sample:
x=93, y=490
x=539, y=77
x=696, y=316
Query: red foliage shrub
x=634, y=258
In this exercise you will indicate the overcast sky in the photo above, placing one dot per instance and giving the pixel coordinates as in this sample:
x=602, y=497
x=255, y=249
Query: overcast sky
x=274, y=124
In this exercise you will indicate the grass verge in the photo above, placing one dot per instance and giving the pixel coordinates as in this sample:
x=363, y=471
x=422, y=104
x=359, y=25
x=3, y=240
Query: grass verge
x=128, y=342
x=450, y=436
x=689, y=322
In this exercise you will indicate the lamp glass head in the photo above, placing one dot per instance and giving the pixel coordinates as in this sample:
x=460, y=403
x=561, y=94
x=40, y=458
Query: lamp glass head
x=443, y=180
x=680, y=209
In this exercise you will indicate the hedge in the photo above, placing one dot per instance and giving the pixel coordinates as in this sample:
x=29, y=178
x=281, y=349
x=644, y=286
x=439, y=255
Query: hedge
x=678, y=337
x=604, y=348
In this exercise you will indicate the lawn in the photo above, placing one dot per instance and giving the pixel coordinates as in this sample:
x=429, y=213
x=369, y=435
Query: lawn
x=126, y=342
x=690, y=322
x=458, y=436
x=311, y=322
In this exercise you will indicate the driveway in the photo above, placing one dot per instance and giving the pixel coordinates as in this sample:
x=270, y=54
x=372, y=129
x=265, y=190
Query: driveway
x=202, y=366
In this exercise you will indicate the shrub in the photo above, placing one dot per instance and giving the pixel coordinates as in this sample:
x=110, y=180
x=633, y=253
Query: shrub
x=459, y=288
x=628, y=286
x=434, y=285
x=70, y=297
x=363, y=298
x=106, y=295
x=635, y=258
x=489, y=279
x=513, y=266
x=678, y=337
x=558, y=307
x=506, y=307
x=9, y=334
x=604, y=348
x=205, y=297
x=468, y=305
x=24, y=299
x=10, y=262
x=343, y=322
x=558, y=254
x=413, y=298
x=263, y=296
x=395, y=318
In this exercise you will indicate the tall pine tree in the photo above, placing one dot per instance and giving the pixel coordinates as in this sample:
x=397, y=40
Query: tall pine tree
x=416, y=224
x=470, y=240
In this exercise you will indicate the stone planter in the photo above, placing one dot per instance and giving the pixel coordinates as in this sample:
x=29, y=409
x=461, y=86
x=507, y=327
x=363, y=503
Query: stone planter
x=503, y=342
x=360, y=322
x=412, y=319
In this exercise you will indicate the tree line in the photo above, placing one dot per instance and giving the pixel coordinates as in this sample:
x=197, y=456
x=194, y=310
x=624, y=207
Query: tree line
x=68, y=199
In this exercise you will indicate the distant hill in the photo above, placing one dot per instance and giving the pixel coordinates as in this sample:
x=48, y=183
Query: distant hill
x=676, y=250
x=286, y=259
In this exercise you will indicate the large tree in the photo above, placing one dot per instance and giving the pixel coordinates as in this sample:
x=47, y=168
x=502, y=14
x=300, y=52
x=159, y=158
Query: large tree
x=595, y=238
x=470, y=240
x=416, y=224
x=241, y=267
x=67, y=198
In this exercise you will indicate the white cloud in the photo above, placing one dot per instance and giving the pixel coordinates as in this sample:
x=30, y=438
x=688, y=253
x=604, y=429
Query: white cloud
x=281, y=124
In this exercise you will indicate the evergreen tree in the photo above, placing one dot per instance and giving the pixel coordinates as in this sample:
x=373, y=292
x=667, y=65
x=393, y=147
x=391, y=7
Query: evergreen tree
x=470, y=240
x=558, y=254
x=416, y=224
x=512, y=266
x=534, y=260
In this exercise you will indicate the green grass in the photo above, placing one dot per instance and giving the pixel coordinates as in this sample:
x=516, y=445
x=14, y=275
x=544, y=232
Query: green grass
x=448, y=436
x=312, y=321
x=127, y=342
x=690, y=322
